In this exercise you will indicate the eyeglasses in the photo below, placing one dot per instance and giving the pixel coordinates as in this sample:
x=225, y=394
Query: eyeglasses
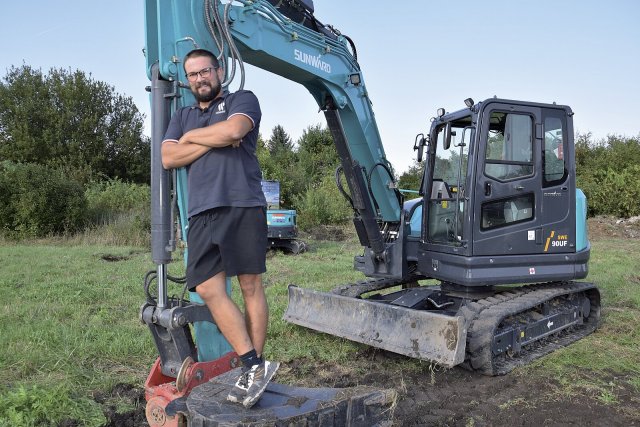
x=204, y=73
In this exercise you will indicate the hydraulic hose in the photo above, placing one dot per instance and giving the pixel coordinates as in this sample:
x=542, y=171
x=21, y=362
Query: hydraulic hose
x=341, y=187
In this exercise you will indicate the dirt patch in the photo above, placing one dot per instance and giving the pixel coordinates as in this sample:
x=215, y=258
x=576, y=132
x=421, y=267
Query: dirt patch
x=114, y=258
x=451, y=397
x=127, y=396
x=608, y=227
x=456, y=397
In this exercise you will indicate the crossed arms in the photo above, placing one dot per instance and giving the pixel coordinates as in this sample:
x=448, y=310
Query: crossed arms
x=196, y=142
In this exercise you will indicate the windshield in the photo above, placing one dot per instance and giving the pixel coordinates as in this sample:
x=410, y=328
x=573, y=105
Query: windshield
x=446, y=202
x=447, y=167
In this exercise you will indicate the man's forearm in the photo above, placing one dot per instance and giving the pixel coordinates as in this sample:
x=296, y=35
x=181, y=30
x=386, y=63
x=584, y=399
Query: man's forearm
x=176, y=155
x=222, y=134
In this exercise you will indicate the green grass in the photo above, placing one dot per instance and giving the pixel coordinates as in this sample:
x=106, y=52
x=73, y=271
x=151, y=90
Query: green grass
x=70, y=319
x=69, y=323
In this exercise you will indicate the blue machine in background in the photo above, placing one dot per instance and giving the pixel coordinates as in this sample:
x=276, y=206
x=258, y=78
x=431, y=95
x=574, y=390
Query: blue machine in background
x=282, y=227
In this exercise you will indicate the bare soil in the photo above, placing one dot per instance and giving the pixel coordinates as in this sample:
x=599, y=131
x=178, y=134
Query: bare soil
x=456, y=397
x=608, y=227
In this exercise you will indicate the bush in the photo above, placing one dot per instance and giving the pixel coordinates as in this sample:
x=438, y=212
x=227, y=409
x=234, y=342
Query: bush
x=608, y=172
x=322, y=204
x=111, y=198
x=612, y=192
x=120, y=212
x=38, y=201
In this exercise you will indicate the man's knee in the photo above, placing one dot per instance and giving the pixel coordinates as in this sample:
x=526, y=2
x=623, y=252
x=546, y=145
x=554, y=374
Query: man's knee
x=212, y=288
x=250, y=284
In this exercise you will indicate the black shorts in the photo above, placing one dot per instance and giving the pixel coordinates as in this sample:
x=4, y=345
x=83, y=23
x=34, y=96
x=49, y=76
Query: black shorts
x=229, y=239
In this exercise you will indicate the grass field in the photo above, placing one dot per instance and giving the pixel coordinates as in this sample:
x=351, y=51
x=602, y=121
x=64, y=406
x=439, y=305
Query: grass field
x=70, y=330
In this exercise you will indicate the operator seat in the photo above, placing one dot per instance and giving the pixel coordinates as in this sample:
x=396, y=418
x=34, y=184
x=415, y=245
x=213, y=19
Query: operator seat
x=440, y=189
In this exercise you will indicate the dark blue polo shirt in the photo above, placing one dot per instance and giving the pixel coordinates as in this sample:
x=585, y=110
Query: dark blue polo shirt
x=224, y=176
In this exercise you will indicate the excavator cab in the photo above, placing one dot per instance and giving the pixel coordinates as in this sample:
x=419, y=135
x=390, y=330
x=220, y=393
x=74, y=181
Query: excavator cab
x=500, y=196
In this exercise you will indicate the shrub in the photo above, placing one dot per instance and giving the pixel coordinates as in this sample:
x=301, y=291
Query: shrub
x=38, y=201
x=608, y=172
x=120, y=212
x=322, y=204
x=612, y=192
x=111, y=198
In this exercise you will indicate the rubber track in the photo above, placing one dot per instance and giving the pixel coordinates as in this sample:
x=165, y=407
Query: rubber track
x=485, y=315
x=355, y=290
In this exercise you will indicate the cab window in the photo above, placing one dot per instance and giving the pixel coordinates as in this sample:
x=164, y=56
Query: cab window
x=509, y=153
x=555, y=170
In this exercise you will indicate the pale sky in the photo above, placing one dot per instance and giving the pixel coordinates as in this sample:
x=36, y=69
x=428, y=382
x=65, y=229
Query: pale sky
x=416, y=56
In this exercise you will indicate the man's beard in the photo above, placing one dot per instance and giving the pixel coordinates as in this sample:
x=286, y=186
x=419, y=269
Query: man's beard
x=207, y=96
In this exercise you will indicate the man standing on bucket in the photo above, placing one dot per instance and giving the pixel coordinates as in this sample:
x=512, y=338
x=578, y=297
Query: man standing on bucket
x=216, y=140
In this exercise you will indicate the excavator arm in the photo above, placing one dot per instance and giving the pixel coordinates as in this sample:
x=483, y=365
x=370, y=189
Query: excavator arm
x=283, y=37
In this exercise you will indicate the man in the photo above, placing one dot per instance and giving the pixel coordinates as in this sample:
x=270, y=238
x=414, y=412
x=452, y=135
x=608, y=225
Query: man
x=216, y=140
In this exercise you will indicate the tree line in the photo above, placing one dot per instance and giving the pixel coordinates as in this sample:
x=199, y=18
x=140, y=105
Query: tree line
x=73, y=155
x=63, y=133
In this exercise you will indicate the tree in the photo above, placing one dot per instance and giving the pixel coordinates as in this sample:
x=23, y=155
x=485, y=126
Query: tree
x=411, y=179
x=317, y=152
x=280, y=143
x=278, y=162
x=297, y=169
x=67, y=120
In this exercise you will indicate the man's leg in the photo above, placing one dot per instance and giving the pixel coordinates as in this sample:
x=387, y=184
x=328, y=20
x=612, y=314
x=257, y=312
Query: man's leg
x=256, y=309
x=226, y=313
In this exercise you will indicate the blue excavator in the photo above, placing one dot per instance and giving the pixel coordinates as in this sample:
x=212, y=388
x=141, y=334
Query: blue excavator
x=482, y=270
x=282, y=224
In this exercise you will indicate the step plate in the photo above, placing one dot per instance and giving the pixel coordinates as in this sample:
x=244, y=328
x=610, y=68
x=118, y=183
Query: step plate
x=207, y=405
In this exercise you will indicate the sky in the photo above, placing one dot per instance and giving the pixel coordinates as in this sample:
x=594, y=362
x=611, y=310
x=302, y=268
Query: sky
x=416, y=56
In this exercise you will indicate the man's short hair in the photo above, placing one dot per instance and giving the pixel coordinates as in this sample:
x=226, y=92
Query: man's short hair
x=195, y=53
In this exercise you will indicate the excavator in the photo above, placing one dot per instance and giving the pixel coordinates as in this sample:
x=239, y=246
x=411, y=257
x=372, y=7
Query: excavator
x=282, y=228
x=482, y=270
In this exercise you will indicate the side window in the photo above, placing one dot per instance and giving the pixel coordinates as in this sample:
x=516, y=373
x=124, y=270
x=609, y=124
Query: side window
x=509, y=152
x=504, y=212
x=554, y=167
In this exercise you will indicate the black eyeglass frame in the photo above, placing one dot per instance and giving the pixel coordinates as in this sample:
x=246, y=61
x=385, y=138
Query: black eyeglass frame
x=204, y=73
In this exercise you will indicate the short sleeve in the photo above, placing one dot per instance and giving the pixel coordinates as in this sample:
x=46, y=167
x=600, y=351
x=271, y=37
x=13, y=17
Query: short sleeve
x=174, y=131
x=246, y=103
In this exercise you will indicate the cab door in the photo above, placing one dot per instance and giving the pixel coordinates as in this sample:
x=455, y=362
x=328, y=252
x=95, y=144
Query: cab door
x=514, y=211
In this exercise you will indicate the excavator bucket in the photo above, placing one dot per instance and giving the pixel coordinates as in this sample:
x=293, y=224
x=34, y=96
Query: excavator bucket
x=415, y=333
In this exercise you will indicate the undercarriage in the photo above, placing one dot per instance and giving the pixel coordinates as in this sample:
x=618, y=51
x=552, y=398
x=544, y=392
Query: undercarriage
x=491, y=331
